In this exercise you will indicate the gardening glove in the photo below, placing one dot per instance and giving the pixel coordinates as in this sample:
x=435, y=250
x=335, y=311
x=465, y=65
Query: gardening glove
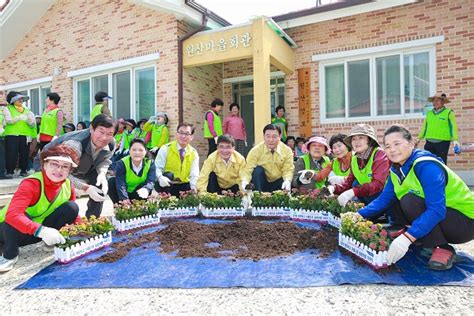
x=398, y=248
x=306, y=176
x=164, y=181
x=154, y=150
x=143, y=193
x=286, y=186
x=215, y=139
x=95, y=193
x=244, y=185
x=457, y=148
x=337, y=179
x=102, y=182
x=50, y=236
x=331, y=189
x=345, y=197
x=54, y=137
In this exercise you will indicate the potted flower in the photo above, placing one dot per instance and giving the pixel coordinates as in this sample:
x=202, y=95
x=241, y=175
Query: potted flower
x=185, y=206
x=226, y=205
x=276, y=203
x=82, y=238
x=366, y=240
x=138, y=213
x=334, y=210
x=307, y=206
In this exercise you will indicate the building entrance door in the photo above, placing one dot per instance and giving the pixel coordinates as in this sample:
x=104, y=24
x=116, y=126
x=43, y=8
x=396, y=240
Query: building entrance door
x=247, y=113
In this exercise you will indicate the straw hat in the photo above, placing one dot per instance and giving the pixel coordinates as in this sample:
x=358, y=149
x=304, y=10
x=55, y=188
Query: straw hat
x=361, y=129
x=441, y=96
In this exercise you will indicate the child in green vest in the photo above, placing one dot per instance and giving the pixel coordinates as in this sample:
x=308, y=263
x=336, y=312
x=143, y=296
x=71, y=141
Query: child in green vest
x=280, y=121
x=158, y=127
x=213, y=125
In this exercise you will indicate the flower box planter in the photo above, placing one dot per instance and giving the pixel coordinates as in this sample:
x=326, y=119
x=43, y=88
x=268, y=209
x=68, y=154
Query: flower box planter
x=80, y=249
x=376, y=259
x=223, y=212
x=143, y=221
x=271, y=212
x=179, y=212
x=309, y=215
x=334, y=221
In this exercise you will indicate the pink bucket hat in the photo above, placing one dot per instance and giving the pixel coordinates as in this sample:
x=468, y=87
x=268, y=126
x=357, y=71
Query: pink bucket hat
x=319, y=140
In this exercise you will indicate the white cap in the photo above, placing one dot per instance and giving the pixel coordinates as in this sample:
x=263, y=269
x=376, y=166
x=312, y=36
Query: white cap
x=62, y=158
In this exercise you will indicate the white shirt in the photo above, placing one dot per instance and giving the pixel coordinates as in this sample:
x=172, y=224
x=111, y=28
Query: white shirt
x=160, y=163
x=137, y=169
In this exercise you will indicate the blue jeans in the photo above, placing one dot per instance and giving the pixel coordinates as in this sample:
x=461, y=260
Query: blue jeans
x=259, y=180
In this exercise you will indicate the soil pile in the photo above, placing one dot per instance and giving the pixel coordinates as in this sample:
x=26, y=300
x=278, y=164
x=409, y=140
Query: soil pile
x=241, y=239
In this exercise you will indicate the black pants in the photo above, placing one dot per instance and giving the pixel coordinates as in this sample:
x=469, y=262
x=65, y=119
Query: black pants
x=439, y=149
x=93, y=207
x=259, y=180
x=114, y=196
x=42, y=144
x=213, y=185
x=173, y=189
x=2, y=157
x=455, y=228
x=16, y=149
x=212, y=146
x=12, y=239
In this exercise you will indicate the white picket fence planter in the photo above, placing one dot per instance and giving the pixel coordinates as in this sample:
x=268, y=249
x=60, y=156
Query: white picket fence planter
x=309, y=215
x=179, y=212
x=223, y=212
x=143, y=221
x=377, y=259
x=66, y=255
x=271, y=212
x=334, y=221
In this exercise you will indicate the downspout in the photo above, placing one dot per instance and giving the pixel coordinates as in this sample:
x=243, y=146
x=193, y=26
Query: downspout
x=180, y=65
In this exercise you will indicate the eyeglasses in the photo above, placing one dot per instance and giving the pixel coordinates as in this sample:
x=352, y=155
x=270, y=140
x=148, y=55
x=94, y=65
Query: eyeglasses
x=56, y=165
x=184, y=133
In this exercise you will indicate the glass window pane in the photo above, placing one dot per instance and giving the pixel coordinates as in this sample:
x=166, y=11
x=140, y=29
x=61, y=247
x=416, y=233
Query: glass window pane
x=121, y=95
x=44, y=91
x=335, y=98
x=83, y=100
x=359, y=88
x=35, y=101
x=281, y=95
x=388, y=85
x=417, y=81
x=145, y=93
x=100, y=83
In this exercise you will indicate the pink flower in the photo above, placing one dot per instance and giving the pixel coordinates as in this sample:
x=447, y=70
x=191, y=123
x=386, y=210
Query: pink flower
x=374, y=227
x=382, y=248
x=383, y=233
x=382, y=243
x=372, y=246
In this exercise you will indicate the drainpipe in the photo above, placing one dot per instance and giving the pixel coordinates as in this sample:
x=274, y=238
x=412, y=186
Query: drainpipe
x=180, y=65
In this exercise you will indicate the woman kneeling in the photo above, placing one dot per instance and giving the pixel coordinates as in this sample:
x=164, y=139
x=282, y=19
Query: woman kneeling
x=42, y=204
x=134, y=175
x=430, y=198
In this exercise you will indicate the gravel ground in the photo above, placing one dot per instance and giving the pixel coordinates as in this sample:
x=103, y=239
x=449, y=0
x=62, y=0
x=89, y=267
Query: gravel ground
x=347, y=299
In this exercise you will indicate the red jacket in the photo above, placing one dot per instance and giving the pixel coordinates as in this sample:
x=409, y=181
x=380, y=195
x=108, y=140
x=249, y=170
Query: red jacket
x=28, y=194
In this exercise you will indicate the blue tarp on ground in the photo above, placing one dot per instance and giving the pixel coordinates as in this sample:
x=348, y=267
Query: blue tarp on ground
x=147, y=268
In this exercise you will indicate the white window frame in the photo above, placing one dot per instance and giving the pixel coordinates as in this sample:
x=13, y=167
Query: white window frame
x=351, y=56
x=130, y=65
x=39, y=84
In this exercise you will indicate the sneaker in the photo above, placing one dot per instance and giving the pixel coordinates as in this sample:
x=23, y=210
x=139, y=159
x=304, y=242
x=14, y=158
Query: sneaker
x=9, y=176
x=7, y=264
x=442, y=259
x=23, y=174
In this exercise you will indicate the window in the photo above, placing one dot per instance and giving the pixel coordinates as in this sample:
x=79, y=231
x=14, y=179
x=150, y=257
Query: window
x=37, y=96
x=382, y=85
x=133, y=91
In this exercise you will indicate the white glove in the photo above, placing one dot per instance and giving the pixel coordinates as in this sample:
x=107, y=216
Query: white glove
x=286, y=186
x=345, y=197
x=331, y=189
x=244, y=185
x=398, y=248
x=95, y=193
x=143, y=193
x=51, y=236
x=337, y=179
x=246, y=201
x=215, y=139
x=154, y=150
x=303, y=176
x=54, y=137
x=456, y=143
x=245, y=142
x=164, y=181
x=102, y=181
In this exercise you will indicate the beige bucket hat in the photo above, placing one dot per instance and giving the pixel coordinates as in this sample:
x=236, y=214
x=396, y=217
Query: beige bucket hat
x=361, y=129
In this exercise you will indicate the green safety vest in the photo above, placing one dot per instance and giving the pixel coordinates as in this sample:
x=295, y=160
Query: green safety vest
x=282, y=123
x=49, y=122
x=365, y=175
x=43, y=208
x=156, y=132
x=307, y=165
x=458, y=195
x=96, y=110
x=129, y=136
x=118, y=137
x=142, y=134
x=20, y=128
x=336, y=168
x=438, y=125
x=217, y=125
x=131, y=178
x=180, y=170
